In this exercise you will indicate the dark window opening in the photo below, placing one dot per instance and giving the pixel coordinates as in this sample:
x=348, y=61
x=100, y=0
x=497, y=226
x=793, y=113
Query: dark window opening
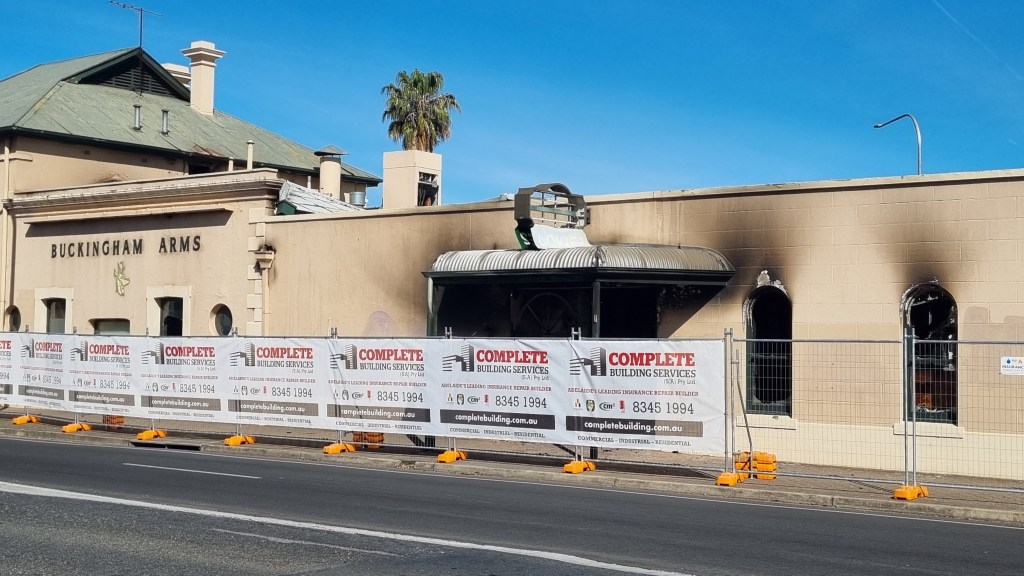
x=426, y=189
x=170, y=316
x=200, y=167
x=111, y=326
x=931, y=315
x=13, y=319
x=629, y=311
x=55, y=315
x=769, y=352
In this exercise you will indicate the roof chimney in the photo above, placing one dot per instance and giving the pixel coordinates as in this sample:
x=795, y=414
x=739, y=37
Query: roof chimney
x=330, y=171
x=180, y=73
x=411, y=178
x=203, y=56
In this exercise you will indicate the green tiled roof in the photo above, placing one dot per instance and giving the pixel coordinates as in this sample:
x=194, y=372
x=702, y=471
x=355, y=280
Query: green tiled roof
x=58, y=100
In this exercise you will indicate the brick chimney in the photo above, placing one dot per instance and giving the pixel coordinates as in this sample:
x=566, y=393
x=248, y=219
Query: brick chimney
x=203, y=56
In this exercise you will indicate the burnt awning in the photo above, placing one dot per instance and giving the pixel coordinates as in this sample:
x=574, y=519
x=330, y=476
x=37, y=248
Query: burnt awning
x=627, y=263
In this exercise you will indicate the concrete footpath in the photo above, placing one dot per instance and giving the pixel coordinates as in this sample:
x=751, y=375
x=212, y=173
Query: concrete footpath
x=850, y=493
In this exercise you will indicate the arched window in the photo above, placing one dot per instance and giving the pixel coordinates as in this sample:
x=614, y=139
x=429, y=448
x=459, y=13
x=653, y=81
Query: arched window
x=930, y=312
x=13, y=319
x=769, y=320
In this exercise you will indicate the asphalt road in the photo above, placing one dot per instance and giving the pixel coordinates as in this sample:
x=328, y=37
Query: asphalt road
x=143, y=511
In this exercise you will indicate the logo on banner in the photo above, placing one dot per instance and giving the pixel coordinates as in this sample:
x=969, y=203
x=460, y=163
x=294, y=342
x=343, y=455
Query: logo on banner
x=92, y=352
x=346, y=359
x=43, y=349
x=597, y=364
x=5, y=348
x=247, y=355
x=180, y=355
x=272, y=356
x=501, y=361
x=464, y=360
x=632, y=364
x=591, y=405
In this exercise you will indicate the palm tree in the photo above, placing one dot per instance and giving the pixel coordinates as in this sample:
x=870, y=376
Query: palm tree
x=419, y=114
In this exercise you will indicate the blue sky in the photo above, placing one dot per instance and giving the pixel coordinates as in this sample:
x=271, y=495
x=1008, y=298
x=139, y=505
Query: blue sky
x=604, y=96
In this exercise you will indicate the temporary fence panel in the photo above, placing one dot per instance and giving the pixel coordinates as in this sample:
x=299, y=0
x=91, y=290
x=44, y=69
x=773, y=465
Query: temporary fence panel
x=827, y=403
x=968, y=408
x=649, y=395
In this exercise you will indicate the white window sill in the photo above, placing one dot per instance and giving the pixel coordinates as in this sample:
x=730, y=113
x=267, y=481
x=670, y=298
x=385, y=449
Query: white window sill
x=929, y=429
x=775, y=421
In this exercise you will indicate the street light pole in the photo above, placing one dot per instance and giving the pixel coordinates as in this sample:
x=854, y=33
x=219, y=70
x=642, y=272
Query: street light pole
x=917, y=129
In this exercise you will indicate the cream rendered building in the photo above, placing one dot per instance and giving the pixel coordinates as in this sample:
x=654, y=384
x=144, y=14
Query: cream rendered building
x=130, y=202
x=114, y=227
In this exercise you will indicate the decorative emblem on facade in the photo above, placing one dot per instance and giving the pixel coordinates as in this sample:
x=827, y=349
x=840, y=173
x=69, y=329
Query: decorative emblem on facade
x=120, y=280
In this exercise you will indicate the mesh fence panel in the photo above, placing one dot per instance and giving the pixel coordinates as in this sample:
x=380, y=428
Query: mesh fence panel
x=828, y=403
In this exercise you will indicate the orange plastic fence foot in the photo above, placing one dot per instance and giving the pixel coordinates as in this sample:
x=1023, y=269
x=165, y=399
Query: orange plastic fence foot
x=338, y=448
x=239, y=440
x=729, y=479
x=151, y=434
x=578, y=466
x=765, y=462
x=370, y=440
x=910, y=492
x=76, y=427
x=26, y=419
x=449, y=456
x=113, y=422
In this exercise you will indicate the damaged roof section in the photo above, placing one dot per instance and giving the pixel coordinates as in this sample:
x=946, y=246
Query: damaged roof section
x=295, y=199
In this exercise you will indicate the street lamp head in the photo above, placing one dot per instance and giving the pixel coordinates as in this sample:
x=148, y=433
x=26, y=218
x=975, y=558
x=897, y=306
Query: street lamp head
x=917, y=129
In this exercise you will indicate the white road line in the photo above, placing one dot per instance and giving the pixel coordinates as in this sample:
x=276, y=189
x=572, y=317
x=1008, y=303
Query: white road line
x=192, y=471
x=553, y=556
x=303, y=542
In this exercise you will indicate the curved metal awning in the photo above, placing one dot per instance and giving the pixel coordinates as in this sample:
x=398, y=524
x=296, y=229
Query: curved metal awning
x=638, y=263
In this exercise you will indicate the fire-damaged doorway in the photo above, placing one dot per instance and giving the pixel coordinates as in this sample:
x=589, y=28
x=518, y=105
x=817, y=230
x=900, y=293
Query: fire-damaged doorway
x=559, y=282
x=532, y=311
x=504, y=293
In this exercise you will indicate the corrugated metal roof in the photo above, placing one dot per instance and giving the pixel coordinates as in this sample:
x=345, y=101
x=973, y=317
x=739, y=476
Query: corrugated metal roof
x=624, y=257
x=46, y=99
x=20, y=92
x=307, y=201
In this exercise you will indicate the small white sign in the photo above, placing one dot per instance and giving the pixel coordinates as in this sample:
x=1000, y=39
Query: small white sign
x=1012, y=366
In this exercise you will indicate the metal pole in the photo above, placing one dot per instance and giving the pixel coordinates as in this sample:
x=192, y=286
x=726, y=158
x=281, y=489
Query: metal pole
x=917, y=129
x=912, y=390
x=907, y=376
x=730, y=424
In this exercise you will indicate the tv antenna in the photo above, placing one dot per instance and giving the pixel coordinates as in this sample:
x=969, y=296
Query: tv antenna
x=138, y=9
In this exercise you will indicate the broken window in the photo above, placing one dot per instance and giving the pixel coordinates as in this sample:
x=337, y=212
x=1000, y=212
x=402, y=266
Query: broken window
x=769, y=315
x=426, y=189
x=930, y=313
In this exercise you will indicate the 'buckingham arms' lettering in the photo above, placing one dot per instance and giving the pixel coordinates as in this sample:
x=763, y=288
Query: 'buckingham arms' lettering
x=122, y=247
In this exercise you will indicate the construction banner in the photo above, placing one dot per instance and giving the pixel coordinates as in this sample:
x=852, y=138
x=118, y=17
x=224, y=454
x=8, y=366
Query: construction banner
x=640, y=394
